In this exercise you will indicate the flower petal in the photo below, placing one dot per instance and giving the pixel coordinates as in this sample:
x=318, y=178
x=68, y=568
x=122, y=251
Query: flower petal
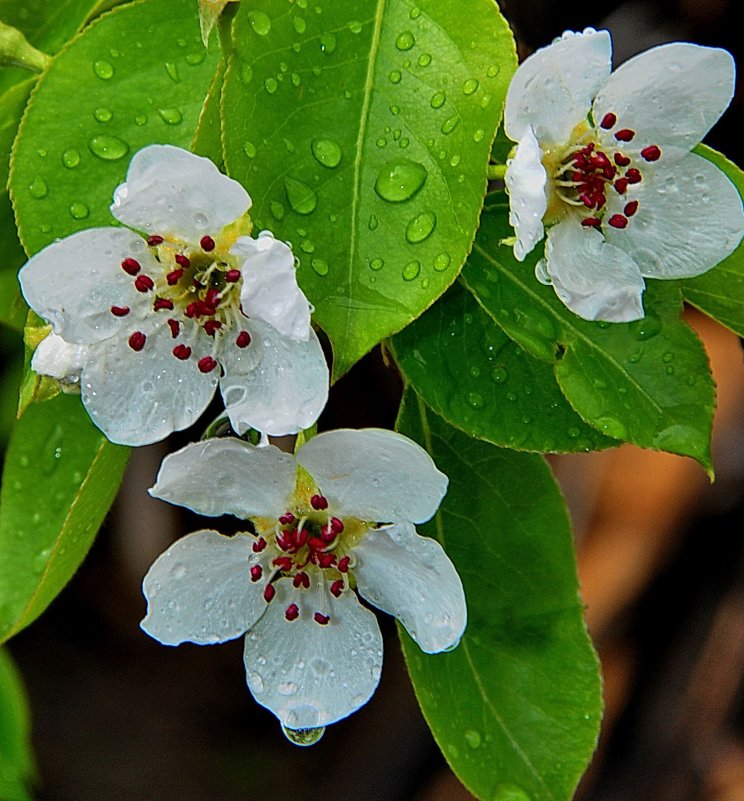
x=282, y=394
x=227, y=476
x=172, y=192
x=200, y=590
x=374, y=474
x=670, y=96
x=526, y=179
x=595, y=279
x=689, y=219
x=59, y=359
x=412, y=578
x=309, y=674
x=553, y=89
x=73, y=283
x=270, y=291
x=139, y=397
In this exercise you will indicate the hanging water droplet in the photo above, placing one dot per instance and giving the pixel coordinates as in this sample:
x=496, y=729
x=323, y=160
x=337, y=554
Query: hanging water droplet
x=103, y=114
x=299, y=24
x=260, y=22
x=108, y=148
x=421, y=227
x=319, y=266
x=411, y=270
x=301, y=197
x=327, y=42
x=400, y=180
x=405, y=41
x=172, y=70
x=424, y=60
x=71, y=158
x=442, y=262
x=38, y=188
x=394, y=76
x=170, y=116
x=303, y=737
x=437, y=99
x=271, y=85
x=249, y=149
x=373, y=222
x=327, y=152
x=79, y=211
x=469, y=86
x=103, y=69
x=377, y=264
x=450, y=124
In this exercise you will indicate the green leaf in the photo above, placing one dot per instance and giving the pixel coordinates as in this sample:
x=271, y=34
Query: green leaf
x=720, y=292
x=472, y=374
x=138, y=75
x=60, y=477
x=516, y=706
x=16, y=761
x=362, y=133
x=207, y=139
x=646, y=382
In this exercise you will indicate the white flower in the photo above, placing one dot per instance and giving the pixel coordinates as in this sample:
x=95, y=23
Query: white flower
x=60, y=360
x=336, y=516
x=605, y=160
x=167, y=316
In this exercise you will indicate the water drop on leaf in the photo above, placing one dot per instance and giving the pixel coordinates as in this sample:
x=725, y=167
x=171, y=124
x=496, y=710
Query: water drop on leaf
x=470, y=86
x=442, y=262
x=327, y=152
x=400, y=180
x=79, y=211
x=301, y=197
x=172, y=70
x=170, y=116
x=103, y=114
x=38, y=188
x=421, y=227
x=319, y=266
x=411, y=270
x=71, y=158
x=405, y=41
x=103, y=69
x=260, y=22
x=108, y=148
x=437, y=99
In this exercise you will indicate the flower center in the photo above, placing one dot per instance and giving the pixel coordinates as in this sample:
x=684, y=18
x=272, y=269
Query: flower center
x=193, y=290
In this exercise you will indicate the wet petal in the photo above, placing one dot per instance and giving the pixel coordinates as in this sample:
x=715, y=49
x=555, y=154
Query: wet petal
x=374, y=474
x=689, y=219
x=172, y=192
x=139, y=397
x=282, y=391
x=270, y=291
x=670, y=96
x=525, y=183
x=227, y=476
x=595, y=279
x=200, y=590
x=553, y=89
x=59, y=359
x=308, y=674
x=412, y=578
x=73, y=283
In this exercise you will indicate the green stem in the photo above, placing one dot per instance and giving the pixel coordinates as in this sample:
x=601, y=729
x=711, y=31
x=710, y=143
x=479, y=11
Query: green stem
x=16, y=51
x=496, y=172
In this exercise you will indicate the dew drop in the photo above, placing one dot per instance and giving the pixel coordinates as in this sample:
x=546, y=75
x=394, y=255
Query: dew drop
x=437, y=99
x=303, y=737
x=328, y=42
x=394, y=76
x=373, y=222
x=470, y=86
x=260, y=22
x=377, y=264
x=108, y=148
x=327, y=152
x=415, y=12
x=472, y=738
x=246, y=73
x=424, y=60
x=320, y=267
x=499, y=375
x=295, y=78
x=249, y=149
x=170, y=116
x=646, y=328
x=450, y=124
x=478, y=135
x=442, y=262
x=277, y=210
x=411, y=270
x=172, y=70
x=493, y=71
x=103, y=70
x=103, y=114
x=301, y=197
x=405, y=41
x=140, y=119
x=271, y=85
x=354, y=26
x=400, y=180
x=38, y=188
x=421, y=226
x=192, y=59
x=79, y=211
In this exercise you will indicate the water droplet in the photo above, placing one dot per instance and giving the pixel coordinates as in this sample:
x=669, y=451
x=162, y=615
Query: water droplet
x=170, y=116
x=455, y=160
x=394, y=76
x=442, y=262
x=405, y=41
x=499, y=375
x=437, y=99
x=42, y=151
x=424, y=60
x=299, y=24
x=411, y=270
x=381, y=142
x=172, y=70
x=377, y=264
x=667, y=357
x=373, y=222
x=246, y=73
x=493, y=71
x=260, y=22
x=478, y=135
x=108, y=148
x=103, y=114
x=301, y=197
x=303, y=737
x=71, y=158
x=271, y=85
x=140, y=119
x=79, y=211
x=249, y=149
x=307, y=246
x=192, y=59
x=450, y=124
x=103, y=69
x=646, y=328
x=38, y=188
x=289, y=145
x=328, y=42
x=319, y=266
x=470, y=86
x=611, y=426
x=421, y=227
x=472, y=738
x=415, y=12
x=277, y=210
x=327, y=152
x=475, y=399
x=400, y=180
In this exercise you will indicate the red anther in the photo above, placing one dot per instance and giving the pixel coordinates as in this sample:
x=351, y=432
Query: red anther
x=143, y=283
x=182, y=261
x=591, y=222
x=162, y=303
x=182, y=352
x=337, y=525
x=300, y=537
x=326, y=559
x=137, y=340
x=283, y=563
x=284, y=540
x=634, y=176
x=651, y=153
x=131, y=266
x=630, y=208
x=608, y=121
x=192, y=309
x=211, y=326
x=174, y=277
x=322, y=619
x=624, y=135
x=287, y=519
x=337, y=587
x=316, y=544
x=154, y=240
x=207, y=243
x=243, y=339
x=292, y=612
x=256, y=572
x=618, y=221
x=576, y=176
x=319, y=502
x=120, y=311
x=587, y=201
x=212, y=298
x=206, y=364
x=599, y=159
x=621, y=185
x=301, y=580
x=343, y=564
x=259, y=545
x=232, y=276
x=205, y=309
x=175, y=327
x=621, y=160
x=269, y=593
x=327, y=534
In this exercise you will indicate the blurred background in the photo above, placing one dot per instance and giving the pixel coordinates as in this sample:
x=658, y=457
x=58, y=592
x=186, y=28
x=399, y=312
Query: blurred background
x=118, y=717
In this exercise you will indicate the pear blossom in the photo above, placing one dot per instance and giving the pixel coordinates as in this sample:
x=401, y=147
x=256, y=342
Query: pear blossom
x=337, y=516
x=603, y=161
x=153, y=319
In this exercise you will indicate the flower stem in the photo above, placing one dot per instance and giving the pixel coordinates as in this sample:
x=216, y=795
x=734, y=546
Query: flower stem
x=496, y=172
x=16, y=51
